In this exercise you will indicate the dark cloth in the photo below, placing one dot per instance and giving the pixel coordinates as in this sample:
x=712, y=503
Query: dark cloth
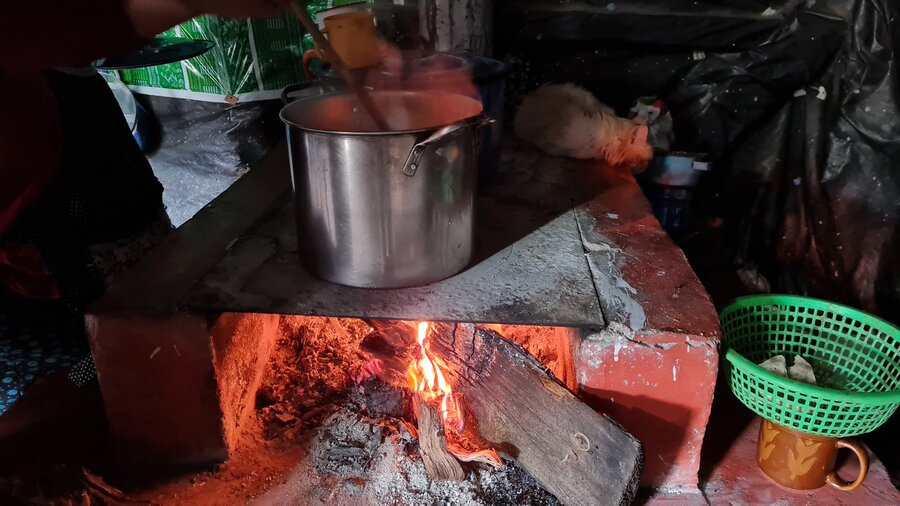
x=36, y=35
x=71, y=177
x=105, y=189
x=40, y=337
x=31, y=136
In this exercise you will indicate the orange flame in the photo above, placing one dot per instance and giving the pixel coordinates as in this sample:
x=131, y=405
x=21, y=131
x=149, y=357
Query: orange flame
x=426, y=377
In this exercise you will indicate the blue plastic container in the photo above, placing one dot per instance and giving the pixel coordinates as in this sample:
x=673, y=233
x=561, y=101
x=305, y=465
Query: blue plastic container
x=668, y=184
x=677, y=168
x=490, y=79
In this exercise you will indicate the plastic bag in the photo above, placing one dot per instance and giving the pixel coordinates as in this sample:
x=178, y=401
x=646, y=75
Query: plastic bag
x=205, y=147
x=796, y=104
x=823, y=219
x=253, y=59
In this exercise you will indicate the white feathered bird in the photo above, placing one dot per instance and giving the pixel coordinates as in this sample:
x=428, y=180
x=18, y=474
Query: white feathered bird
x=567, y=120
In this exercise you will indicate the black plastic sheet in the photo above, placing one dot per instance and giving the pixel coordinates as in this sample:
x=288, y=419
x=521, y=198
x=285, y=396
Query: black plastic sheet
x=204, y=147
x=796, y=103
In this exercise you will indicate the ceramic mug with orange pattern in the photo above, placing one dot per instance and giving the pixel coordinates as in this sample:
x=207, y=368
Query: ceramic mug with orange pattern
x=353, y=37
x=804, y=461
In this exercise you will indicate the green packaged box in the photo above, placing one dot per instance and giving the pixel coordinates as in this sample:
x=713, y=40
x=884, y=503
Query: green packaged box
x=253, y=58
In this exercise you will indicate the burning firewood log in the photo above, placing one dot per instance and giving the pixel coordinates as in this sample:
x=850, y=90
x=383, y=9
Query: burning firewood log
x=521, y=410
x=439, y=463
x=440, y=416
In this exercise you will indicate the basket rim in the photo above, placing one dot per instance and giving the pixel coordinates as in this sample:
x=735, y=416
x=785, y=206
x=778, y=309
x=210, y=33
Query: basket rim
x=869, y=398
x=738, y=360
x=751, y=300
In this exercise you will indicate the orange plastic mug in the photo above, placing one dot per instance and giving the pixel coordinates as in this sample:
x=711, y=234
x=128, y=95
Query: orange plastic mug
x=803, y=461
x=353, y=37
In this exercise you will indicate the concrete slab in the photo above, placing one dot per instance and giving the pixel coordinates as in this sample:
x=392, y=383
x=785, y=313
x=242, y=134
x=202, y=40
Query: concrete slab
x=659, y=392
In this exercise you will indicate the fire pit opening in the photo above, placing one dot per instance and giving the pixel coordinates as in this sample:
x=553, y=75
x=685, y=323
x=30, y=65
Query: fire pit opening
x=390, y=412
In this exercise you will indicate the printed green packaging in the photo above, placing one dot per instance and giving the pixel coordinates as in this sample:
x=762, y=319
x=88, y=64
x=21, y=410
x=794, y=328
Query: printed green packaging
x=253, y=58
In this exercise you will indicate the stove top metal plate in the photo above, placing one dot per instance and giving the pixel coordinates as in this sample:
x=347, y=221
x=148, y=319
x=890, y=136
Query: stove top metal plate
x=530, y=268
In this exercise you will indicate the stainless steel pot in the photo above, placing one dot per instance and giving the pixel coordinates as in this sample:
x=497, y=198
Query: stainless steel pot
x=384, y=209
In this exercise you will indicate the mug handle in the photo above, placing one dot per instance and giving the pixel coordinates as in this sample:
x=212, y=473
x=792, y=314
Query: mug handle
x=308, y=56
x=835, y=481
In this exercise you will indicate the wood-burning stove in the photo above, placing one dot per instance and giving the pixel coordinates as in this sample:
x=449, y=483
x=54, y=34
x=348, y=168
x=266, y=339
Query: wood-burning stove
x=569, y=248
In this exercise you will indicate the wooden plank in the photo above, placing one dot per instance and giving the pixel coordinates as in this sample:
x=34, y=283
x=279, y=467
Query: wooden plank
x=578, y=455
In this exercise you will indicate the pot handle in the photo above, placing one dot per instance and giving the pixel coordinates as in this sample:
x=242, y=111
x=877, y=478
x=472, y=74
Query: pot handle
x=324, y=86
x=416, y=153
x=285, y=93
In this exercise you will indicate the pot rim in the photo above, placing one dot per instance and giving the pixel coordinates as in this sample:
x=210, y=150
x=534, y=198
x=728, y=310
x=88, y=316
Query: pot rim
x=288, y=122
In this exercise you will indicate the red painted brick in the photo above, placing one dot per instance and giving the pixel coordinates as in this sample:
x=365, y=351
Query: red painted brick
x=653, y=369
x=655, y=270
x=660, y=388
x=176, y=387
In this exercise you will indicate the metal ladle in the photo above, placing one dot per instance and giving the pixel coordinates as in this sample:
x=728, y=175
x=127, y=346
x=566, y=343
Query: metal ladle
x=355, y=85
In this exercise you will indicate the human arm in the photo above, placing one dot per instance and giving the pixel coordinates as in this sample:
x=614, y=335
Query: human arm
x=34, y=35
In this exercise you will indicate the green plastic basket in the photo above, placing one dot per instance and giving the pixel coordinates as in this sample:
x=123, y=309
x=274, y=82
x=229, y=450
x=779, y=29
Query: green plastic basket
x=855, y=356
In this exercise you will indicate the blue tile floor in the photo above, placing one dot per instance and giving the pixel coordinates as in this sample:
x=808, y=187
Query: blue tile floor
x=36, y=339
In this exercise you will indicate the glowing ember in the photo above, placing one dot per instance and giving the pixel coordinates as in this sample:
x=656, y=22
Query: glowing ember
x=426, y=378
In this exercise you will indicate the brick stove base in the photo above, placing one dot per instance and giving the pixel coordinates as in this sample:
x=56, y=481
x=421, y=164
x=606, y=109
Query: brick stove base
x=658, y=387
x=177, y=388
x=180, y=340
